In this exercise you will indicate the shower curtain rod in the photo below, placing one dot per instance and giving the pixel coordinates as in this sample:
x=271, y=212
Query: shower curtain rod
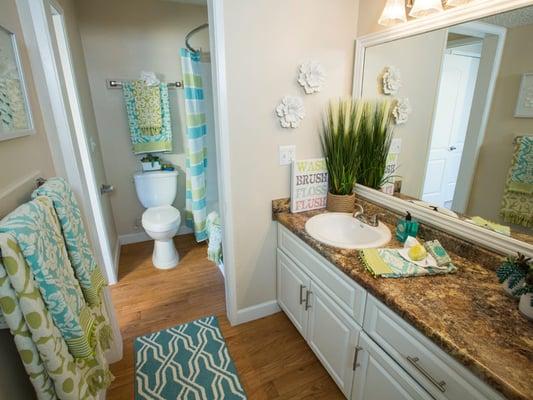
x=188, y=36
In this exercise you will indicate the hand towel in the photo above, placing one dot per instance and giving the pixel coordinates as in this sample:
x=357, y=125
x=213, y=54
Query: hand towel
x=147, y=107
x=35, y=228
x=52, y=370
x=214, y=237
x=493, y=226
x=517, y=200
x=150, y=142
x=79, y=250
x=388, y=263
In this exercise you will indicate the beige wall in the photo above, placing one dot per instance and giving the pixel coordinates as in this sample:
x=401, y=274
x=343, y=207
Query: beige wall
x=265, y=42
x=496, y=151
x=120, y=39
x=419, y=60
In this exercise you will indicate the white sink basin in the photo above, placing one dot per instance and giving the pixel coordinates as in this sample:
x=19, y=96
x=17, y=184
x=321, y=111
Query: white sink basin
x=344, y=231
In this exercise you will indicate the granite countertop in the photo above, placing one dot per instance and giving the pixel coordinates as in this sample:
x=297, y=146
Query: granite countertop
x=467, y=314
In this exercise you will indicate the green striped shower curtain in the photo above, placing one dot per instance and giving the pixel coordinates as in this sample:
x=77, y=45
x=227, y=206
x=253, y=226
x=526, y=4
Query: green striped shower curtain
x=196, y=163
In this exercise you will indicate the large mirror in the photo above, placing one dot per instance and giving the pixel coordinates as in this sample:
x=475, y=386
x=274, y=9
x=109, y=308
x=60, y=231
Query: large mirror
x=464, y=140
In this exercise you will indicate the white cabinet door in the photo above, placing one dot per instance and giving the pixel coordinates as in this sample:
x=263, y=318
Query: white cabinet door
x=332, y=335
x=293, y=286
x=379, y=377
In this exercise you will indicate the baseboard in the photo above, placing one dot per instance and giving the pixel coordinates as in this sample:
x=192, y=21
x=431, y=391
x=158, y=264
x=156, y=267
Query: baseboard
x=138, y=237
x=255, y=312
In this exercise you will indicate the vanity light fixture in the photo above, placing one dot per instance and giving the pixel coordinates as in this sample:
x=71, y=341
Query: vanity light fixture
x=421, y=8
x=393, y=13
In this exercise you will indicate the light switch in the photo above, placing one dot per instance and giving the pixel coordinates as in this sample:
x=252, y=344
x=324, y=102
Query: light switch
x=287, y=154
x=395, y=146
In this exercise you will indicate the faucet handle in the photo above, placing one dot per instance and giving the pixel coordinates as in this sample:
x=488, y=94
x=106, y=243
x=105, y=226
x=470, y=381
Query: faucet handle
x=374, y=219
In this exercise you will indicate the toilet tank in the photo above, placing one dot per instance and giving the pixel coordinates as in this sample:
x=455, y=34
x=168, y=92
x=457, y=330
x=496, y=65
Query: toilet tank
x=156, y=188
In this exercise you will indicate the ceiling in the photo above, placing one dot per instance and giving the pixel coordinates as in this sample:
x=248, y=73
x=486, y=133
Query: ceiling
x=513, y=19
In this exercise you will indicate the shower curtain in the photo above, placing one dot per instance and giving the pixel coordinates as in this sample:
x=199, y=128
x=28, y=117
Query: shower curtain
x=196, y=163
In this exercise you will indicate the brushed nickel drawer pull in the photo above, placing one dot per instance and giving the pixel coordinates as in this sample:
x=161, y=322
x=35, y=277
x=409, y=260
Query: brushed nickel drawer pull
x=414, y=362
x=302, y=287
x=355, y=363
x=307, y=305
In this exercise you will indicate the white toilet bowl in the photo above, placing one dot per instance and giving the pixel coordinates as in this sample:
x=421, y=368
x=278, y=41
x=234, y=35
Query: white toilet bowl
x=161, y=224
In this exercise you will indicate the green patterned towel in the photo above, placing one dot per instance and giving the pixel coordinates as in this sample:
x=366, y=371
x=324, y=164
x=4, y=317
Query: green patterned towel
x=147, y=107
x=52, y=370
x=517, y=200
x=36, y=229
x=388, y=263
x=146, y=140
x=79, y=250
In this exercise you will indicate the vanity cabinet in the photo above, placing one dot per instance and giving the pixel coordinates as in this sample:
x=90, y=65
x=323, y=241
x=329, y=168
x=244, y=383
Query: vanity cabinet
x=369, y=351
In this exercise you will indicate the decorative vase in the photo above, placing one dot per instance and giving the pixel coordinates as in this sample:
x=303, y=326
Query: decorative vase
x=341, y=202
x=525, y=305
x=508, y=290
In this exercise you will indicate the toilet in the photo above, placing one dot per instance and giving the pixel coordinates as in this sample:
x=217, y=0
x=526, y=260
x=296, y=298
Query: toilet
x=156, y=191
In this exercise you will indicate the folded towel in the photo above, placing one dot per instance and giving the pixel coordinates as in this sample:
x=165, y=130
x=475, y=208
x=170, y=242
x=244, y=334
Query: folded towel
x=388, y=263
x=440, y=255
x=517, y=200
x=79, y=250
x=214, y=237
x=493, y=226
x=148, y=107
x=143, y=138
x=34, y=228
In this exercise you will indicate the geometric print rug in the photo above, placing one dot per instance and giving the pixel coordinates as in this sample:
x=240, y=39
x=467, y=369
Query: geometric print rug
x=190, y=362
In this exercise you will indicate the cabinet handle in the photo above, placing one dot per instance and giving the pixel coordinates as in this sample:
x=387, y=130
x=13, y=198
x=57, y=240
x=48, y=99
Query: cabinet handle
x=302, y=287
x=414, y=362
x=356, y=354
x=307, y=305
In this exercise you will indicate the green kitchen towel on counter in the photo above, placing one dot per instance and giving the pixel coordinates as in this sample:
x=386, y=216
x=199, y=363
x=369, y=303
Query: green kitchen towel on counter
x=388, y=263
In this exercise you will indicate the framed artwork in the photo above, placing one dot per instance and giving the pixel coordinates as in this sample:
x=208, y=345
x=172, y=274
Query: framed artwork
x=15, y=116
x=524, y=105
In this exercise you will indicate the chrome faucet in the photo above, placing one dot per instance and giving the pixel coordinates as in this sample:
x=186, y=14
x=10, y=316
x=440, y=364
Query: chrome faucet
x=359, y=214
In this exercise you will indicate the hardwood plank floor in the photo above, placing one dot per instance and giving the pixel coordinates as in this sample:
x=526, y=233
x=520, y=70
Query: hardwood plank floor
x=272, y=359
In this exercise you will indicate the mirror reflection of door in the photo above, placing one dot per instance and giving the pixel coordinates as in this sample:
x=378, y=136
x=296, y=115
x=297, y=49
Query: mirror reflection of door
x=452, y=112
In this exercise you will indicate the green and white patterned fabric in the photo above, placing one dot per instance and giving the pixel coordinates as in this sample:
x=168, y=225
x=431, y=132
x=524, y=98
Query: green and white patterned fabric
x=517, y=200
x=148, y=141
x=388, y=263
x=79, y=251
x=196, y=162
x=36, y=229
x=189, y=361
x=214, y=233
x=52, y=370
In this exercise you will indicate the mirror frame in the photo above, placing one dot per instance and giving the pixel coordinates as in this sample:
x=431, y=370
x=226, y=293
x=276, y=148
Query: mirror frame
x=467, y=13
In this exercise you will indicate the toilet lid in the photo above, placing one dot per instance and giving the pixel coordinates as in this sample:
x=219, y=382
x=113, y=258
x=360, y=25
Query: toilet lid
x=159, y=219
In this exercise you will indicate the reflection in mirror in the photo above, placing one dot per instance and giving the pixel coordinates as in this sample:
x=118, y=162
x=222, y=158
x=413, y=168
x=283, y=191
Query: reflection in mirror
x=465, y=142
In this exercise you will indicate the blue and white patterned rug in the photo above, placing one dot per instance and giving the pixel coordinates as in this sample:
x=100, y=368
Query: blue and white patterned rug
x=189, y=361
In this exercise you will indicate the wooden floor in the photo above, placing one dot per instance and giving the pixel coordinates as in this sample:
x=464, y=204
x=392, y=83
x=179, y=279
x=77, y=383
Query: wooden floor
x=272, y=359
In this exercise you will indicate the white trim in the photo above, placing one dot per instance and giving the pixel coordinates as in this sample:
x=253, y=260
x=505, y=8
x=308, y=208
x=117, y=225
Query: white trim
x=258, y=311
x=469, y=12
x=136, y=237
x=116, y=258
x=220, y=100
x=465, y=230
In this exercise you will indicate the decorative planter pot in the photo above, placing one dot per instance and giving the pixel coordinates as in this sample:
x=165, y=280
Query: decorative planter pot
x=525, y=305
x=341, y=202
x=508, y=290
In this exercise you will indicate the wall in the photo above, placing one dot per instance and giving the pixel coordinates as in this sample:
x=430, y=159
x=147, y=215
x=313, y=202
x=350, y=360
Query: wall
x=496, y=151
x=265, y=42
x=419, y=60
x=120, y=39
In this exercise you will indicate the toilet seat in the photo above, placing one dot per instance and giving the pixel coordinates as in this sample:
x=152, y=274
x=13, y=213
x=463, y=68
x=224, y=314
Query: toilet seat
x=160, y=219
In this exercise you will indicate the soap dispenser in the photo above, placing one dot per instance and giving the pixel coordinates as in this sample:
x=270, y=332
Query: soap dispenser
x=406, y=227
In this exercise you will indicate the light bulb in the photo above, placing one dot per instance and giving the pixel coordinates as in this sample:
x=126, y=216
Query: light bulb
x=421, y=8
x=393, y=13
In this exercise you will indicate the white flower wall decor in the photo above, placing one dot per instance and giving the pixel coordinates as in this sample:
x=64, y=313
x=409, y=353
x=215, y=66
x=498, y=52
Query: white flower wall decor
x=401, y=110
x=311, y=76
x=290, y=111
x=392, y=80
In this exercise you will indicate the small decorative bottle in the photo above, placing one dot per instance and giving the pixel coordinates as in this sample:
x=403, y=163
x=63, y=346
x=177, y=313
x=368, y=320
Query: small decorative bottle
x=406, y=227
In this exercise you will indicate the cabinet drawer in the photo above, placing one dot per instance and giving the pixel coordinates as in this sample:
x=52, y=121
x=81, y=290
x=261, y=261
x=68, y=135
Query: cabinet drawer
x=349, y=295
x=435, y=370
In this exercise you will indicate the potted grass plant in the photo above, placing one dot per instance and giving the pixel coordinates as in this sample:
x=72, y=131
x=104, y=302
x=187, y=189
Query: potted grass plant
x=526, y=295
x=373, y=143
x=512, y=273
x=339, y=143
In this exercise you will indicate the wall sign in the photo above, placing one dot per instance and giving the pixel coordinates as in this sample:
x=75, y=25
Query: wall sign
x=309, y=185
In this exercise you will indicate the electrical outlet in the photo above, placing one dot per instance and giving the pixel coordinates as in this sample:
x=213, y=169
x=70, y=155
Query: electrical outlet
x=395, y=146
x=287, y=154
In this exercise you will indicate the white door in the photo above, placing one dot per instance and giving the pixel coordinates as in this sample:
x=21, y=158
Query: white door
x=452, y=113
x=293, y=286
x=82, y=164
x=333, y=336
x=379, y=377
